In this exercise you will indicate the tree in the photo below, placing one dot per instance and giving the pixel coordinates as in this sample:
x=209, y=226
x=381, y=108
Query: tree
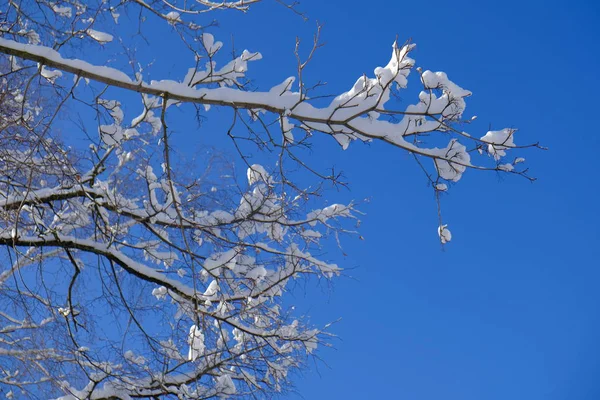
x=130, y=273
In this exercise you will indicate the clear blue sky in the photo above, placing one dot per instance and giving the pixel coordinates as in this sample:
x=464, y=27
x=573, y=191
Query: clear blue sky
x=511, y=308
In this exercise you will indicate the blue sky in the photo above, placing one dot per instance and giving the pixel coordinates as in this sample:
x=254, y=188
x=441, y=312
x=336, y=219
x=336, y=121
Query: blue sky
x=511, y=308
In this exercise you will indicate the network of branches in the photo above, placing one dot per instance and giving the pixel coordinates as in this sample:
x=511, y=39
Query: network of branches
x=132, y=270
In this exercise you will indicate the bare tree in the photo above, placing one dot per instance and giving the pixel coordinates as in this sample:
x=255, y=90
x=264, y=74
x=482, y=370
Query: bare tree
x=129, y=274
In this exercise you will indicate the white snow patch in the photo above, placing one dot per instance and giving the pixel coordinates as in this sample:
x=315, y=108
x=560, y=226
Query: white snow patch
x=101, y=37
x=444, y=234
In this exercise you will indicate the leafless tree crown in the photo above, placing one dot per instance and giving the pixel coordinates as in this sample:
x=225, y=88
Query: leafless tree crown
x=131, y=272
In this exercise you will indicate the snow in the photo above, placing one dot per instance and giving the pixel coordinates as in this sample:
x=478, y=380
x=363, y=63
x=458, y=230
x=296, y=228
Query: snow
x=257, y=173
x=444, y=234
x=50, y=75
x=111, y=134
x=226, y=259
x=130, y=356
x=196, y=343
x=309, y=233
x=160, y=292
x=173, y=17
x=225, y=386
x=499, y=142
x=73, y=65
x=460, y=159
x=212, y=289
x=210, y=45
x=100, y=37
x=332, y=211
x=62, y=11
x=257, y=273
x=286, y=128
